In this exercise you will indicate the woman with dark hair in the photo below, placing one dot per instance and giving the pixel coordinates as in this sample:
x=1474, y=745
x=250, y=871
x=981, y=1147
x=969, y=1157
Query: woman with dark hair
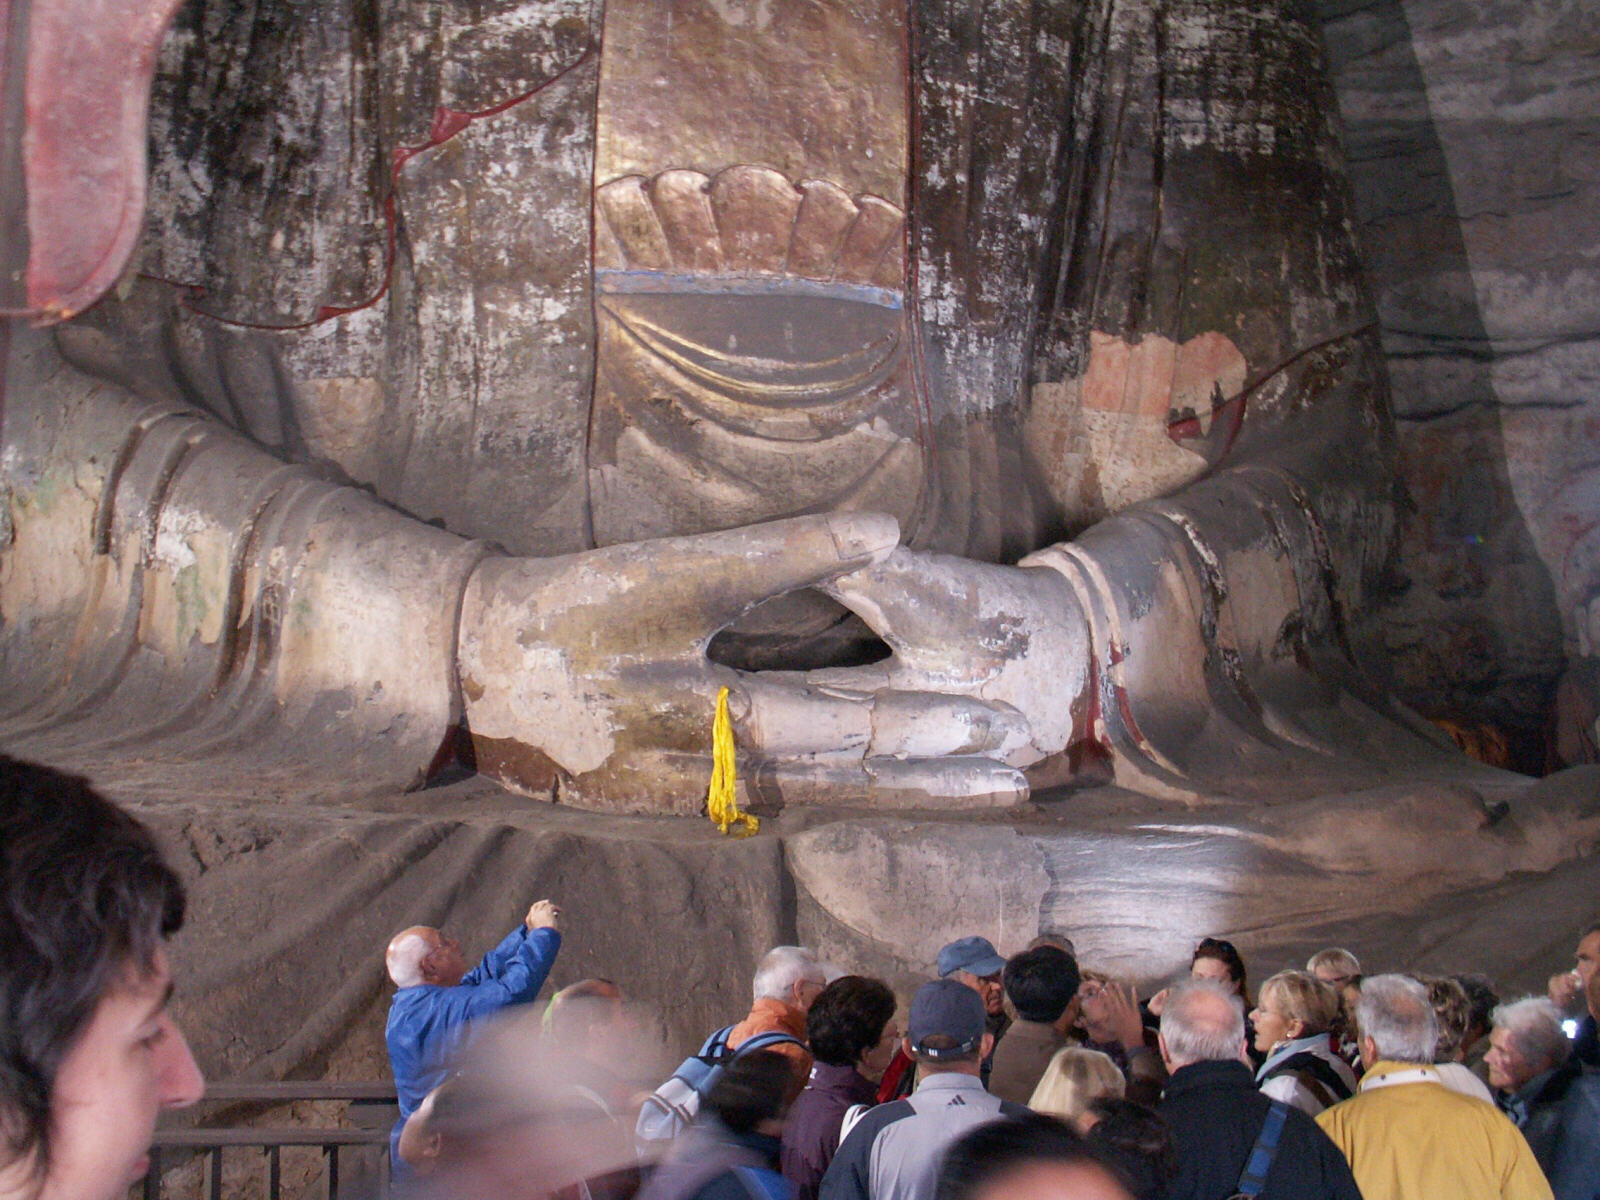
x=1349, y=1040
x=851, y=1031
x=1137, y=1141
x=1453, y=1010
x=89, y=1054
x=1219, y=961
x=1216, y=960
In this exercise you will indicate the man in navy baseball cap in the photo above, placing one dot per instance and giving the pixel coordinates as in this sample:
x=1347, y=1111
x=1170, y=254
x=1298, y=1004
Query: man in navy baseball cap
x=893, y=1152
x=945, y=1024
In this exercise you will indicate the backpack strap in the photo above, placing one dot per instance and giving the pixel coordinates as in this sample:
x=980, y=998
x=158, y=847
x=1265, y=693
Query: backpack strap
x=716, y=1045
x=668, y=1110
x=1254, y=1176
x=762, y=1041
x=851, y=1115
x=594, y=1098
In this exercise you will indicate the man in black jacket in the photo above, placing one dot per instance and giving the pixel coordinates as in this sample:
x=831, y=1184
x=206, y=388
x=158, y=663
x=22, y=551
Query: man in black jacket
x=1216, y=1114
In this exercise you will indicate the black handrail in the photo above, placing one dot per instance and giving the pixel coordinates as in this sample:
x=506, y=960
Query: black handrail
x=213, y=1141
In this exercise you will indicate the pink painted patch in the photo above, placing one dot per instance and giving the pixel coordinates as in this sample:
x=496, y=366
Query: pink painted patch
x=1135, y=379
x=1204, y=362
x=1151, y=377
x=90, y=63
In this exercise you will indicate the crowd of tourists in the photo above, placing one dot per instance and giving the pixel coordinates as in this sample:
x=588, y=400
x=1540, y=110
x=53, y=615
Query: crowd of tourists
x=1022, y=1077
x=1027, y=1076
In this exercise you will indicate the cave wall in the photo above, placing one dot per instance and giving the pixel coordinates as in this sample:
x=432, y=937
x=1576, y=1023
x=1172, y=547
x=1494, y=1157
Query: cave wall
x=1473, y=136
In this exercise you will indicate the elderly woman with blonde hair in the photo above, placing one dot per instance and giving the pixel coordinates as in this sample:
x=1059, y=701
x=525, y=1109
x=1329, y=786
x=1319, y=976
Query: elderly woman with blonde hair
x=1074, y=1079
x=1294, y=1020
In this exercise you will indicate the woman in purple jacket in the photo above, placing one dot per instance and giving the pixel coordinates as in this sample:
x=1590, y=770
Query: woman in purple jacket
x=851, y=1031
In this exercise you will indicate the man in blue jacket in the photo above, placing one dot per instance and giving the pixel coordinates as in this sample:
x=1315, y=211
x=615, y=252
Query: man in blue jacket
x=430, y=1016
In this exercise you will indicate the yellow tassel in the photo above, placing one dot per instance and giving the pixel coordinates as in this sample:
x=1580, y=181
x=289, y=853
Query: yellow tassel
x=723, y=800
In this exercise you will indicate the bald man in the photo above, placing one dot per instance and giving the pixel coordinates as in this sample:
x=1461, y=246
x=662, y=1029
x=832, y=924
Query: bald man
x=430, y=1016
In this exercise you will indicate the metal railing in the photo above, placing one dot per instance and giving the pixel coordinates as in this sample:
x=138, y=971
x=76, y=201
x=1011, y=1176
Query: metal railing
x=371, y=1107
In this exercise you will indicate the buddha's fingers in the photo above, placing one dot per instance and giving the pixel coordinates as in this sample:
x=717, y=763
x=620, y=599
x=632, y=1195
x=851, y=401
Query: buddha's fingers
x=788, y=717
x=893, y=783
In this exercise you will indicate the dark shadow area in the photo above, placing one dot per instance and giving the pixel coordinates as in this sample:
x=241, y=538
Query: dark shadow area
x=1469, y=614
x=455, y=761
x=802, y=631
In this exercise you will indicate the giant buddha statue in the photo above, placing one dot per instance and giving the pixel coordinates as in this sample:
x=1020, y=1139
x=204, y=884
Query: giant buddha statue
x=987, y=396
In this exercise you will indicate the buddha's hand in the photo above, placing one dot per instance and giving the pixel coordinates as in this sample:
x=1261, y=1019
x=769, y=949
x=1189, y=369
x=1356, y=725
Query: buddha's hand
x=1011, y=640
x=586, y=678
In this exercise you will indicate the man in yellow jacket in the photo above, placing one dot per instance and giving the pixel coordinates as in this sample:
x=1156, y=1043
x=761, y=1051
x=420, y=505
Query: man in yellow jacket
x=1408, y=1136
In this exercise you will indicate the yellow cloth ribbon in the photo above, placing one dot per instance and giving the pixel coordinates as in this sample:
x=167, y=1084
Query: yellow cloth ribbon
x=722, y=802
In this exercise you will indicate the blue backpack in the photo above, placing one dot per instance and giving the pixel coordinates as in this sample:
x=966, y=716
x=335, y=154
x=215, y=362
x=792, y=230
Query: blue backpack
x=672, y=1107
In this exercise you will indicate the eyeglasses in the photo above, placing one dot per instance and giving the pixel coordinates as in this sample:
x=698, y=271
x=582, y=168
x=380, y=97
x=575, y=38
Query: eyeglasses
x=1216, y=944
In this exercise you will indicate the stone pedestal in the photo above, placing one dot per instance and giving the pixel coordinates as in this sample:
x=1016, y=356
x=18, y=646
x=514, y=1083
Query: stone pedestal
x=280, y=965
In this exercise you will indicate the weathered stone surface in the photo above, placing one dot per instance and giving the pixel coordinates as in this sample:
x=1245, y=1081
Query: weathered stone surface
x=280, y=966
x=1473, y=134
x=1154, y=334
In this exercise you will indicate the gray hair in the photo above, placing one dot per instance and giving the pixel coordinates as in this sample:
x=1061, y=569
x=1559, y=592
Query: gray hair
x=1339, y=960
x=1202, y=1021
x=1534, y=1027
x=784, y=966
x=1394, y=1011
x=404, y=958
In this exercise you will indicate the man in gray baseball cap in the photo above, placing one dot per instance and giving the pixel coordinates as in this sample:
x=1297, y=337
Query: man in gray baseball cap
x=893, y=1152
